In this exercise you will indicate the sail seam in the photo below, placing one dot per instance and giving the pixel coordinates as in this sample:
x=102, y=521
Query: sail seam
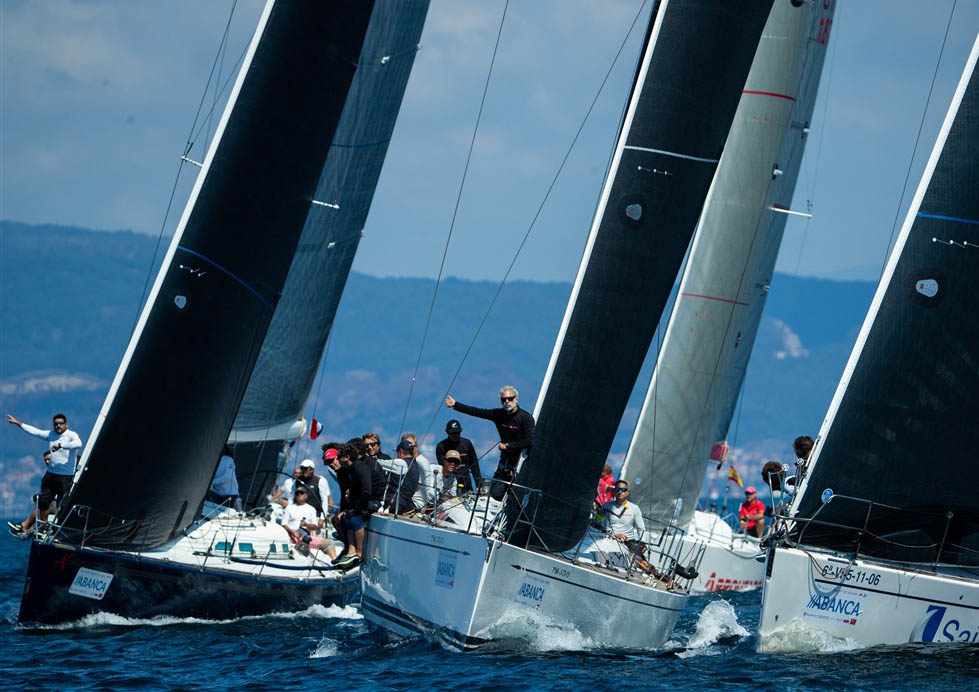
x=229, y=273
x=670, y=153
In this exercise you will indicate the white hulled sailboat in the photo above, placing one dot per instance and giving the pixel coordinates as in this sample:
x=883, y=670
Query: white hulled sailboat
x=881, y=545
x=479, y=578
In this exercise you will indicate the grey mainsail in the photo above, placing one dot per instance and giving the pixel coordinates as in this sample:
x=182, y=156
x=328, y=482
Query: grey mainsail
x=695, y=60
x=901, y=428
x=156, y=443
x=700, y=369
x=283, y=377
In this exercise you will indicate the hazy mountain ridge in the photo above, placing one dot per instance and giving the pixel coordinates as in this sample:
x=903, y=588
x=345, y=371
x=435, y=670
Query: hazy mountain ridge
x=69, y=303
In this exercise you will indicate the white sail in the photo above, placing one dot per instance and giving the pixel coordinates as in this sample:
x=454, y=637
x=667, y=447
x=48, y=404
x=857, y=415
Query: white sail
x=701, y=366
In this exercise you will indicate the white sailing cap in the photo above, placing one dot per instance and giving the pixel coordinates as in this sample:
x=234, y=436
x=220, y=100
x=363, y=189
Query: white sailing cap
x=308, y=463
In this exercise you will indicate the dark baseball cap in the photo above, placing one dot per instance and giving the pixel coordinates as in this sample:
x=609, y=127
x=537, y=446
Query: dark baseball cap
x=406, y=446
x=453, y=426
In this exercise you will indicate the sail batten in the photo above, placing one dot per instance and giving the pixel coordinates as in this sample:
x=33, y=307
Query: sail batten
x=170, y=408
x=900, y=430
x=694, y=388
x=683, y=101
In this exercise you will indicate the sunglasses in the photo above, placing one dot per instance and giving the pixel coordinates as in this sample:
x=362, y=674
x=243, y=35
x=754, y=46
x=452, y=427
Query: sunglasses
x=506, y=399
x=621, y=490
x=373, y=444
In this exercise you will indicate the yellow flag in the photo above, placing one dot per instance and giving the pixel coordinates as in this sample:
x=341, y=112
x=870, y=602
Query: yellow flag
x=732, y=475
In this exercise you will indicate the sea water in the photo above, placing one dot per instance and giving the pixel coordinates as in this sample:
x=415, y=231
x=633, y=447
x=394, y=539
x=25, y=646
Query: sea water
x=713, y=647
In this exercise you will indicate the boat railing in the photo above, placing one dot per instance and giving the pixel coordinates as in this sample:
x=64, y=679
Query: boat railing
x=86, y=527
x=920, y=520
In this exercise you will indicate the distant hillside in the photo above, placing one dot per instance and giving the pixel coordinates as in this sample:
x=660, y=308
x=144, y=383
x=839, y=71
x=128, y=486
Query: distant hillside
x=69, y=300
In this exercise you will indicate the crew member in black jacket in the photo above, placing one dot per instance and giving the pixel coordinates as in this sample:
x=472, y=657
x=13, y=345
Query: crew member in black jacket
x=515, y=428
x=357, y=474
x=468, y=459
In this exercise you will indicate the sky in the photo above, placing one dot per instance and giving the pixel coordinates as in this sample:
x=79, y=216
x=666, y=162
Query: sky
x=97, y=99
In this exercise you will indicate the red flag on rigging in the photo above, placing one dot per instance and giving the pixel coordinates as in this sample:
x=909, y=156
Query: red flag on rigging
x=315, y=429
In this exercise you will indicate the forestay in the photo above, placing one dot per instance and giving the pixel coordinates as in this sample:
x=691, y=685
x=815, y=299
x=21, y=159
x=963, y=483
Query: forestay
x=170, y=408
x=287, y=364
x=694, y=63
x=901, y=429
x=701, y=365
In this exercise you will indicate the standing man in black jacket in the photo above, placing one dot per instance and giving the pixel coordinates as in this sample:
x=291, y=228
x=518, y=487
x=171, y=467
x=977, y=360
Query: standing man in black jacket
x=515, y=427
x=468, y=459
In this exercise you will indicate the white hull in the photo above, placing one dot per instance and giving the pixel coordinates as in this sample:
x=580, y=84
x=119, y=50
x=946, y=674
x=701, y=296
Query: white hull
x=731, y=562
x=813, y=599
x=469, y=590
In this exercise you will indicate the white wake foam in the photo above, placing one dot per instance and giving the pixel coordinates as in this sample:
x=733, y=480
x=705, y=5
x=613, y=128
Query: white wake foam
x=530, y=628
x=331, y=612
x=797, y=637
x=327, y=648
x=716, y=621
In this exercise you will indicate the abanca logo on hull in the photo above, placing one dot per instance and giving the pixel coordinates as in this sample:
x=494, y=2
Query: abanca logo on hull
x=849, y=608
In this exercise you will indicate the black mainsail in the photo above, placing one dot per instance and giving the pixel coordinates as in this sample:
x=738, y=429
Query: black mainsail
x=171, y=406
x=901, y=429
x=283, y=376
x=695, y=61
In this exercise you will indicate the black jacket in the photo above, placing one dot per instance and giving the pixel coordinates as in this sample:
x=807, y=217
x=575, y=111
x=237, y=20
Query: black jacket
x=361, y=483
x=467, y=454
x=515, y=429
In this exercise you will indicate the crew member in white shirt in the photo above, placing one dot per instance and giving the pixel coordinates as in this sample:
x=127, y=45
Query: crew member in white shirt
x=624, y=519
x=300, y=522
x=63, y=444
x=224, y=485
x=428, y=475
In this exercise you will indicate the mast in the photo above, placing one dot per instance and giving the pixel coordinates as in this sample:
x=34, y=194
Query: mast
x=156, y=443
x=270, y=417
x=900, y=430
x=695, y=60
x=712, y=328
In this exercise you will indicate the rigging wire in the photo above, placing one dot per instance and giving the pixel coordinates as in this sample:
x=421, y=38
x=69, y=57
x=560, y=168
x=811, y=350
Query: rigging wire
x=540, y=209
x=917, y=139
x=187, y=147
x=455, y=212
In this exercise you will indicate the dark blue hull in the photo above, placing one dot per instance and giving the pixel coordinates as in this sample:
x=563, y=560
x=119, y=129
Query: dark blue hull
x=144, y=588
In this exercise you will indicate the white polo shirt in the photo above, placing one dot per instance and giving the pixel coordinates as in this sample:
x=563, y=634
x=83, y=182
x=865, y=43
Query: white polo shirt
x=625, y=520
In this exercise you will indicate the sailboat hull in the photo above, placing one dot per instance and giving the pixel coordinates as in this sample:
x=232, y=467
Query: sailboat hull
x=66, y=583
x=815, y=600
x=469, y=590
x=730, y=562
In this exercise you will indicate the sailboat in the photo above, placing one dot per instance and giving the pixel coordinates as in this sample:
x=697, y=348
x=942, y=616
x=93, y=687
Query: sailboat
x=479, y=580
x=684, y=421
x=881, y=543
x=275, y=191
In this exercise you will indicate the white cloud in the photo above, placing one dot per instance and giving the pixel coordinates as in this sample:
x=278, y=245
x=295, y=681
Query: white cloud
x=61, y=382
x=791, y=343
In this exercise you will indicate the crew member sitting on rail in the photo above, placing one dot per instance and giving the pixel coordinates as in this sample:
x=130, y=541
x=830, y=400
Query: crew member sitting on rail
x=624, y=519
x=752, y=513
x=515, y=427
x=452, y=484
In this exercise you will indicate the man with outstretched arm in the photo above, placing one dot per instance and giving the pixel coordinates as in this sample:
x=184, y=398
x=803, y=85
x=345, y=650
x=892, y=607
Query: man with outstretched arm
x=63, y=444
x=515, y=427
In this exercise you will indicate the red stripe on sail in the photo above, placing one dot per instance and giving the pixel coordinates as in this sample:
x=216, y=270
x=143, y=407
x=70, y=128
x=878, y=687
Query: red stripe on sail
x=769, y=93
x=721, y=300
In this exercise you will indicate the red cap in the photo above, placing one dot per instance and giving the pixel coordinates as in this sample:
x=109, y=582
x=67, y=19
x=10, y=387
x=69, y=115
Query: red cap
x=329, y=455
x=750, y=489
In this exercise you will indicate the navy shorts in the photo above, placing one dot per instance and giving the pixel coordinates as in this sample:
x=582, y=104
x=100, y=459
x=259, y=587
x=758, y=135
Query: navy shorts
x=355, y=521
x=53, y=486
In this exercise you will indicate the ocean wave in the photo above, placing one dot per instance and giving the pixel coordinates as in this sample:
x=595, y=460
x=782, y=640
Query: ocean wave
x=525, y=628
x=797, y=637
x=331, y=612
x=327, y=648
x=717, y=621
